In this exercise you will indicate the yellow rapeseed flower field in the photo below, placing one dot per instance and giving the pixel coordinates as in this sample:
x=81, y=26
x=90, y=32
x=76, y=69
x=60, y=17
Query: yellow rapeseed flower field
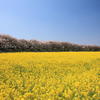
x=50, y=76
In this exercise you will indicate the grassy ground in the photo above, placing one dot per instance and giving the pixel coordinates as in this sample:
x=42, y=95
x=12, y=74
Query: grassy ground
x=50, y=76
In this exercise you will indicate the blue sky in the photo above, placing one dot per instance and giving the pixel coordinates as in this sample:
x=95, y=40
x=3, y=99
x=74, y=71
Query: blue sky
x=76, y=21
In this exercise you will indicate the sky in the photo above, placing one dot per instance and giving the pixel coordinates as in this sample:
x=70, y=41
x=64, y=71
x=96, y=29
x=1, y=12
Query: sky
x=76, y=21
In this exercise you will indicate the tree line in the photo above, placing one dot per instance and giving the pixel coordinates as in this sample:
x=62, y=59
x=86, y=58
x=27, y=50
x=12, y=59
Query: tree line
x=11, y=44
